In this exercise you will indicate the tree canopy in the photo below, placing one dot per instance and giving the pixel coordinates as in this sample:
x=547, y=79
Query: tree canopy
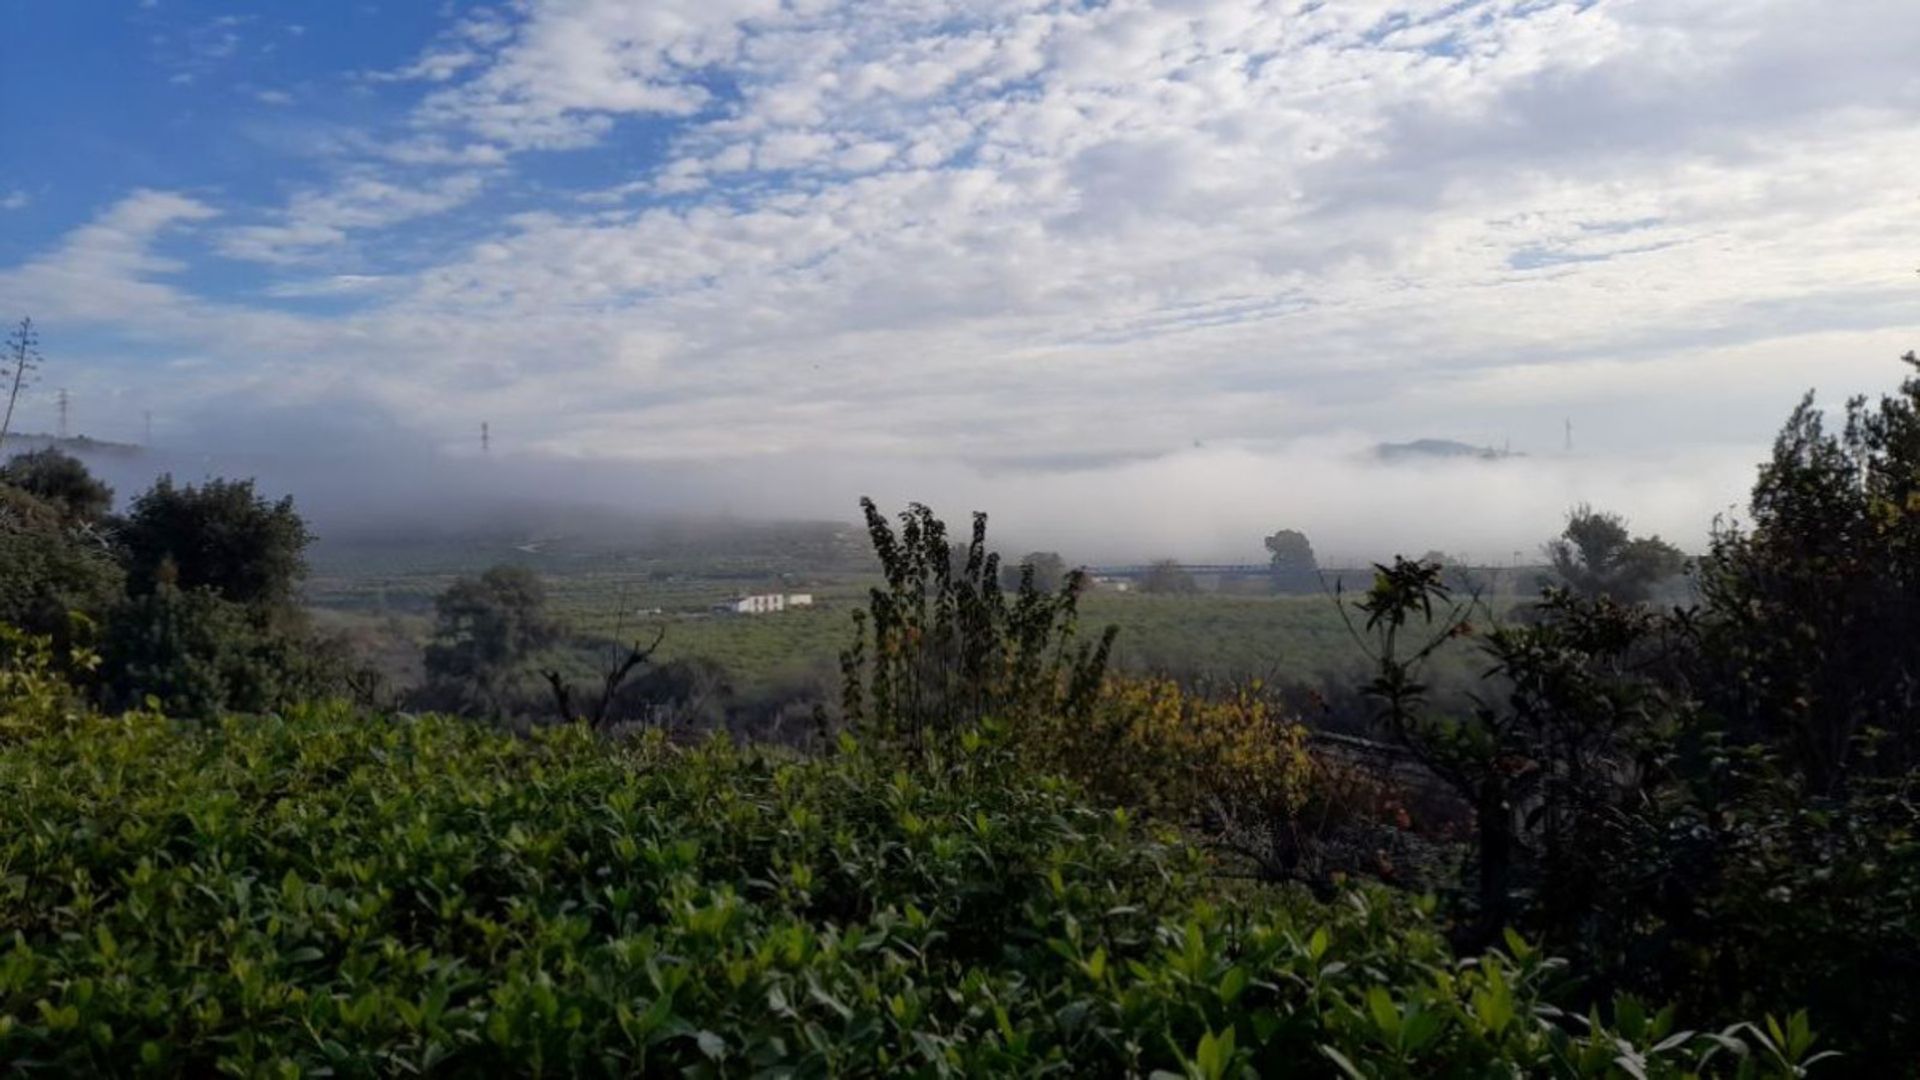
x=1294, y=567
x=220, y=535
x=1596, y=556
x=485, y=628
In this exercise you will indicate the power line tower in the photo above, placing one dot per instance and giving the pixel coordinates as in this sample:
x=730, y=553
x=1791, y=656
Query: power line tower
x=63, y=412
x=486, y=439
x=148, y=417
x=1569, y=434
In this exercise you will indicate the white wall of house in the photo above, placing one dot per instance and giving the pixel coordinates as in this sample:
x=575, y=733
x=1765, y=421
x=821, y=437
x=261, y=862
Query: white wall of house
x=766, y=603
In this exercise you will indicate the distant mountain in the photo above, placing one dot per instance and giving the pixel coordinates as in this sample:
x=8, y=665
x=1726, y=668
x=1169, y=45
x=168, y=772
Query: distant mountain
x=1437, y=449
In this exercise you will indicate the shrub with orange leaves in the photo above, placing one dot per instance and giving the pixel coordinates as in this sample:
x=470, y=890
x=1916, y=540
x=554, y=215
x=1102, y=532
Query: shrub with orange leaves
x=1149, y=745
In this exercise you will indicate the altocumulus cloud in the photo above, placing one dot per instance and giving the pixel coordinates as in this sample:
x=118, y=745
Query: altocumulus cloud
x=920, y=241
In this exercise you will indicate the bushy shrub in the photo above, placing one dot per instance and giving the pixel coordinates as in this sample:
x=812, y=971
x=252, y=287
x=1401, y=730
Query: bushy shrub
x=369, y=896
x=196, y=654
x=942, y=647
x=62, y=481
x=1149, y=745
x=35, y=694
x=50, y=569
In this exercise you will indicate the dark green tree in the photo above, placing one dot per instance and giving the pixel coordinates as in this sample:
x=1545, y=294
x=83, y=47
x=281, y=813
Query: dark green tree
x=198, y=655
x=212, y=623
x=1294, y=568
x=485, y=631
x=1596, y=556
x=1815, y=602
x=221, y=536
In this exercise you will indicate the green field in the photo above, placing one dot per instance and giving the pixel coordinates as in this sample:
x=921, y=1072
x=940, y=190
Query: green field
x=605, y=590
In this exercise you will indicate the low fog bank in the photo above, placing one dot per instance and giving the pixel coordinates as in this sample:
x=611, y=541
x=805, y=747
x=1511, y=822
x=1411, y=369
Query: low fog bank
x=364, y=480
x=1216, y=504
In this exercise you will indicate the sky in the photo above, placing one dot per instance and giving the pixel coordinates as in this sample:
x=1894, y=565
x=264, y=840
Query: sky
x=1151, y=273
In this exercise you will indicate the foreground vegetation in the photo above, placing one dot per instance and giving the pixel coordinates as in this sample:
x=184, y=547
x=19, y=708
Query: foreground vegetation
x=369, y=895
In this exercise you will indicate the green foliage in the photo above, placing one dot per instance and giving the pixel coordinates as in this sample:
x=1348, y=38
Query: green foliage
x=50, y=569
x=1166, y=577
x=1295, y=570
x=359, y=896
x=1554, y=755
x=220, y=536
x=485, y=631
x=197, y=654
x=1751, y=892
x=1815, y=641
x=61, y=481
x=35, y=695
x=1595, y=556
x=948, y=649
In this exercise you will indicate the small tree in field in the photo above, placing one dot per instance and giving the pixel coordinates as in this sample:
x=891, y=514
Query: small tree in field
x=1049, y=571
x=1295, y=569
x=1166, y=576
x=485, y=629
x=1595, y=556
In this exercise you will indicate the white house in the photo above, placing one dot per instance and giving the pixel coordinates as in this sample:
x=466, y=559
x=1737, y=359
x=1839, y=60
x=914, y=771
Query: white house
x=764, y=603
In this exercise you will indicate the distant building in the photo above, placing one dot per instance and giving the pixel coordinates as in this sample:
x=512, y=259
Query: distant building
x=764, y=603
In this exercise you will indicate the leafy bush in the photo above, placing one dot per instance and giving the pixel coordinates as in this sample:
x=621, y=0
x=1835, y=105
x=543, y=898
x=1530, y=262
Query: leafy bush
x=949, y=648
x=369, y=896
x=1147, y=744
x=60, y=480
x=196, y=654
x=49, y=567
x=35, y=696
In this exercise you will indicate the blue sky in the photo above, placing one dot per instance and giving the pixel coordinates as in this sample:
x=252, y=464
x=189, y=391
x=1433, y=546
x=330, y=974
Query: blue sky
x=825, y=246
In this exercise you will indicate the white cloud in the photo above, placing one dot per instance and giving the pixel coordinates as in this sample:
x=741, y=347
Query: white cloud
x=15, y=200
x=319, y=219
x=1007, y=230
